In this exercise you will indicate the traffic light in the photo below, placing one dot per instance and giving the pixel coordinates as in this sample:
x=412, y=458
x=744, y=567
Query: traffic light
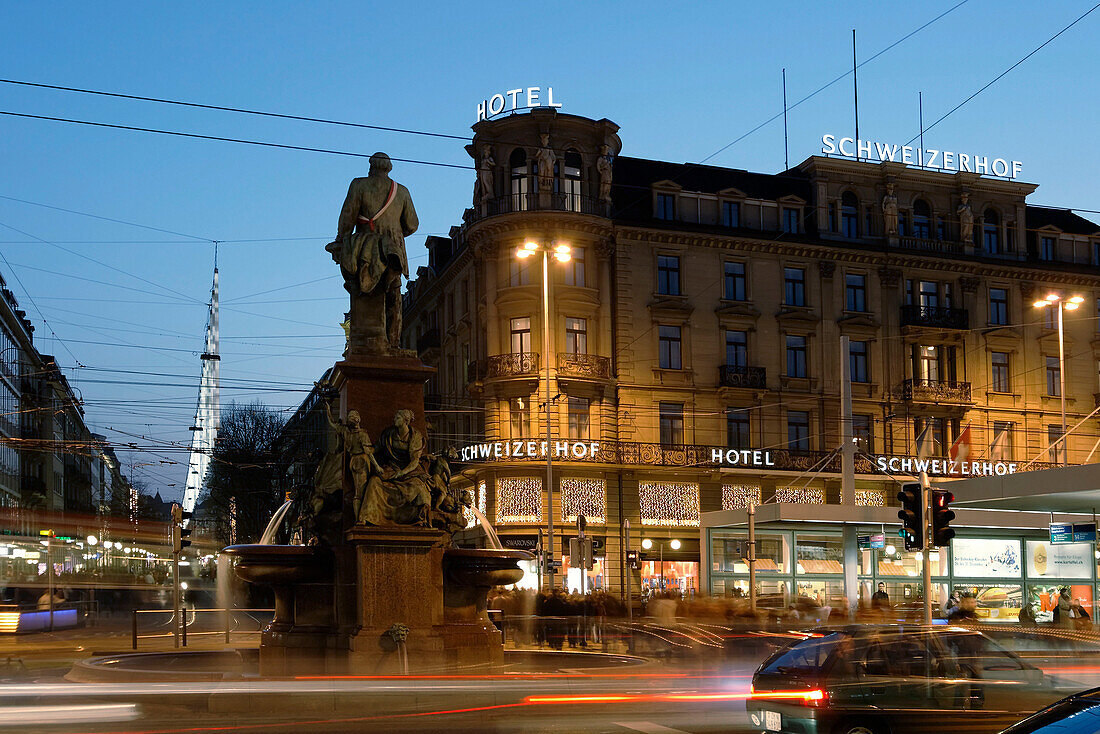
x=180, y=534
x=911, y=515
x=632, y=560
x=589, y=553
x=942, y=515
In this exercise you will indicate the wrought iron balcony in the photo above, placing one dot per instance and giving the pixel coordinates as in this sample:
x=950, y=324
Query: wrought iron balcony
x=935, y=391
x=520, y=364
x=588, y=366
x=947, y=247
x=557, y=201
x=938, y=317
x=730, y=375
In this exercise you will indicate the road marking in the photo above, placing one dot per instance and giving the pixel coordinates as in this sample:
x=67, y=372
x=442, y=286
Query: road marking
x=648, y=727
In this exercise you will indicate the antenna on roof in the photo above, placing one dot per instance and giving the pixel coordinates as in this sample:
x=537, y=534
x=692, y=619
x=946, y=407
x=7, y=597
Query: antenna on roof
x=855, y=90
x=786, y=158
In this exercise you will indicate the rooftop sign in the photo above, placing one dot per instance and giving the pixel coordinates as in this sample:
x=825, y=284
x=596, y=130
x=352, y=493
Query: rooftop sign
x=944, y=160
x=515, y=99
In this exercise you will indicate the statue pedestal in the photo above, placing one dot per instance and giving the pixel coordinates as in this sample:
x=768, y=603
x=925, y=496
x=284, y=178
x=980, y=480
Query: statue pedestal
x=379, y=386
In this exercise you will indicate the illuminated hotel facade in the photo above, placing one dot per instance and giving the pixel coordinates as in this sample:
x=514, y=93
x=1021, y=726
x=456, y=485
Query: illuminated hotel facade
x=696, y=334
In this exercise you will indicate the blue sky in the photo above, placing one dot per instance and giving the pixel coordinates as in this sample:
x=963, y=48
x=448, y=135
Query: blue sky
x=682, y=80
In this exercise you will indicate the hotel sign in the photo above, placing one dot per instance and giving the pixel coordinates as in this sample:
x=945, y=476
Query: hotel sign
x=565, y=450
x=946, y=160
x=514, y=100
x=943, y=467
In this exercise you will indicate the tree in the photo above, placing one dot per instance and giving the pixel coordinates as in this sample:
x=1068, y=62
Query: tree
x=241, y=482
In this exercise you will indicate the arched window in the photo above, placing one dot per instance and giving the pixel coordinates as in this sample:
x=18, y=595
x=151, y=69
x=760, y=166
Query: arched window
x=849, y=215
x=521, y=181
x=991, y=232
x=922, y=219
x=571, y=181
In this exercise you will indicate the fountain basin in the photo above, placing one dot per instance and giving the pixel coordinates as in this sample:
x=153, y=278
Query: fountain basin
x=273, y=565
x=469, y=573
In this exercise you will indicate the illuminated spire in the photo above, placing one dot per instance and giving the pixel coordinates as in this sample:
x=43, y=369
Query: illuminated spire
x=207, y=415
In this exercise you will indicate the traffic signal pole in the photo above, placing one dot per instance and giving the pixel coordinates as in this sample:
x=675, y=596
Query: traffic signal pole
x=926, y=554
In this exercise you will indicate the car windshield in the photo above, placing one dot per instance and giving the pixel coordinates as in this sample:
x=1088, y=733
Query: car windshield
x=807, y=656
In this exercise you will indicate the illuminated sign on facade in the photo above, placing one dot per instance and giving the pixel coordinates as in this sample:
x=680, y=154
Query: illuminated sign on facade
x=741, y=457
x=946, y=160
x=529, y=450
x=944, y=467
x=514, y=100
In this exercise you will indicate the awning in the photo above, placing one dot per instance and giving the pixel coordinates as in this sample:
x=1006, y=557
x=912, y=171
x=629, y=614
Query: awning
x=1071, y=489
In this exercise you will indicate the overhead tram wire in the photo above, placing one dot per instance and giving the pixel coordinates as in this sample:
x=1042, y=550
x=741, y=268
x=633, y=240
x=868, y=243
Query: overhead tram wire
x=219, y=138
x=1004, y=73
x=106, y=219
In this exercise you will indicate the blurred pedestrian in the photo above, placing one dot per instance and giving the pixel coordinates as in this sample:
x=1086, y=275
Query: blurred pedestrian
x=1063, y=613
x=880, y=600
x=965, y=612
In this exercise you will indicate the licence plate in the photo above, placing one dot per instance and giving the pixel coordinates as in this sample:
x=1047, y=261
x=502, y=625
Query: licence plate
x=772, y=721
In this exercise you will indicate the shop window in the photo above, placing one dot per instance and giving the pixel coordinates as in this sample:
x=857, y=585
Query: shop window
x=819, y=553
x=895, y=561
x=669, y=503
x=729, y=552
x=669, y=576
x=1043, y=599
x=519, y=500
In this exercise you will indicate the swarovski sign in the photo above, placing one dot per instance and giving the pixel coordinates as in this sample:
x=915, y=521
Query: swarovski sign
x=945, y=160
x=513, y=100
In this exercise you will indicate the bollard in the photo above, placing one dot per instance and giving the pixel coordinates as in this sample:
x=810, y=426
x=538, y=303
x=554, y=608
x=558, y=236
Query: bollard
x=228, y=618
x=183, y=621
x=133, y=626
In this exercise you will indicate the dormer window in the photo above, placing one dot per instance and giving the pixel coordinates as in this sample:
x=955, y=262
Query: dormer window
x=731, y=214
x=1046, y=248
x=666, y=207
x=790, y=220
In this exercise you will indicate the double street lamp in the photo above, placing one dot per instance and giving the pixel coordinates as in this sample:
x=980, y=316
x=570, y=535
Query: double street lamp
x=561, y=253
x=1055, y=301
x=673, y=544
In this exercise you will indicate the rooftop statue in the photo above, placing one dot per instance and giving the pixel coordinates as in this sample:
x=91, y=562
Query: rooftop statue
x=376, y=218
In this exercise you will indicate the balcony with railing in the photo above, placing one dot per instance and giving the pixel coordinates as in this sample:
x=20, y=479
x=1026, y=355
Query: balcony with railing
x=556, y=201
x=730, y=375
x=584, y=366
x=519, y=364
x=936, y=317
x=935, y=391
x=925, y=244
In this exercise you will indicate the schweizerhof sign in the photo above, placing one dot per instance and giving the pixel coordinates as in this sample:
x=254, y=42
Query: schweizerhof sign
x=944, y=160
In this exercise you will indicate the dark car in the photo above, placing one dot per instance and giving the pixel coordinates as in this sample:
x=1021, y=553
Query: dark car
x=887, y=679
x=1076, y=714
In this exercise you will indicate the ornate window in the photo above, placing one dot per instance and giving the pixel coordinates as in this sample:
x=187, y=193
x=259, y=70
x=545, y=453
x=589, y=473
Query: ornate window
x=521, y=335
x=520, y=179
x=991, y=232
x=737, y=348
x=849, y=215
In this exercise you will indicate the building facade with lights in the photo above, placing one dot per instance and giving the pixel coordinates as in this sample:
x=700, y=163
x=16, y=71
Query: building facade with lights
x=695, y=336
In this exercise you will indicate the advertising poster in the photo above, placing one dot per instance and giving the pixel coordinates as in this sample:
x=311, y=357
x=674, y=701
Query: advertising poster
x=1059, y=561
x=986, y=558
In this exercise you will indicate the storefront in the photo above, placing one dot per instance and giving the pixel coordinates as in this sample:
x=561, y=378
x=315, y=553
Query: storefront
x=803, y=562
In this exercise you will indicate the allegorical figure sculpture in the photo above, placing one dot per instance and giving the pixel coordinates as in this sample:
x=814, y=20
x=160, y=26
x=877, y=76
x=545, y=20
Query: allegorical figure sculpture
x=890, y=210
x=966, y=219
x=376, y=218
x=603, y=168
x=485, y=167
x=545, y=160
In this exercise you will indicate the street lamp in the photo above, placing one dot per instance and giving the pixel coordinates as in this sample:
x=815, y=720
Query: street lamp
x=561, y=253
x=1054, y=300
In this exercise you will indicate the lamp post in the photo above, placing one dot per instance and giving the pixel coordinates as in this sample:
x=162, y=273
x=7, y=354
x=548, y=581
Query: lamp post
x=561, y=253
x=1054, y=300
x=673, y=543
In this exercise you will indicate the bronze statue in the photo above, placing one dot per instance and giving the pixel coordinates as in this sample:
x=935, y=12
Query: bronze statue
x=376, y=218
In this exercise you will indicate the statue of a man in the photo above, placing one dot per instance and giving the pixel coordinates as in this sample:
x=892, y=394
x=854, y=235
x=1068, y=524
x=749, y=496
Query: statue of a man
x=545, y=159
x=890, y=210
x=355, y=446
x=376, y=218
x=603, y=167
x=966, y=219
x=485, y=184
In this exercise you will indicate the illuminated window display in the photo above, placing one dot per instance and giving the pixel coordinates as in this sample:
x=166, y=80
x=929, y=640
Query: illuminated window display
x=819, y=554
x=772, y=552
x=894, y=560
x=995, y=602
x=519, y=500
